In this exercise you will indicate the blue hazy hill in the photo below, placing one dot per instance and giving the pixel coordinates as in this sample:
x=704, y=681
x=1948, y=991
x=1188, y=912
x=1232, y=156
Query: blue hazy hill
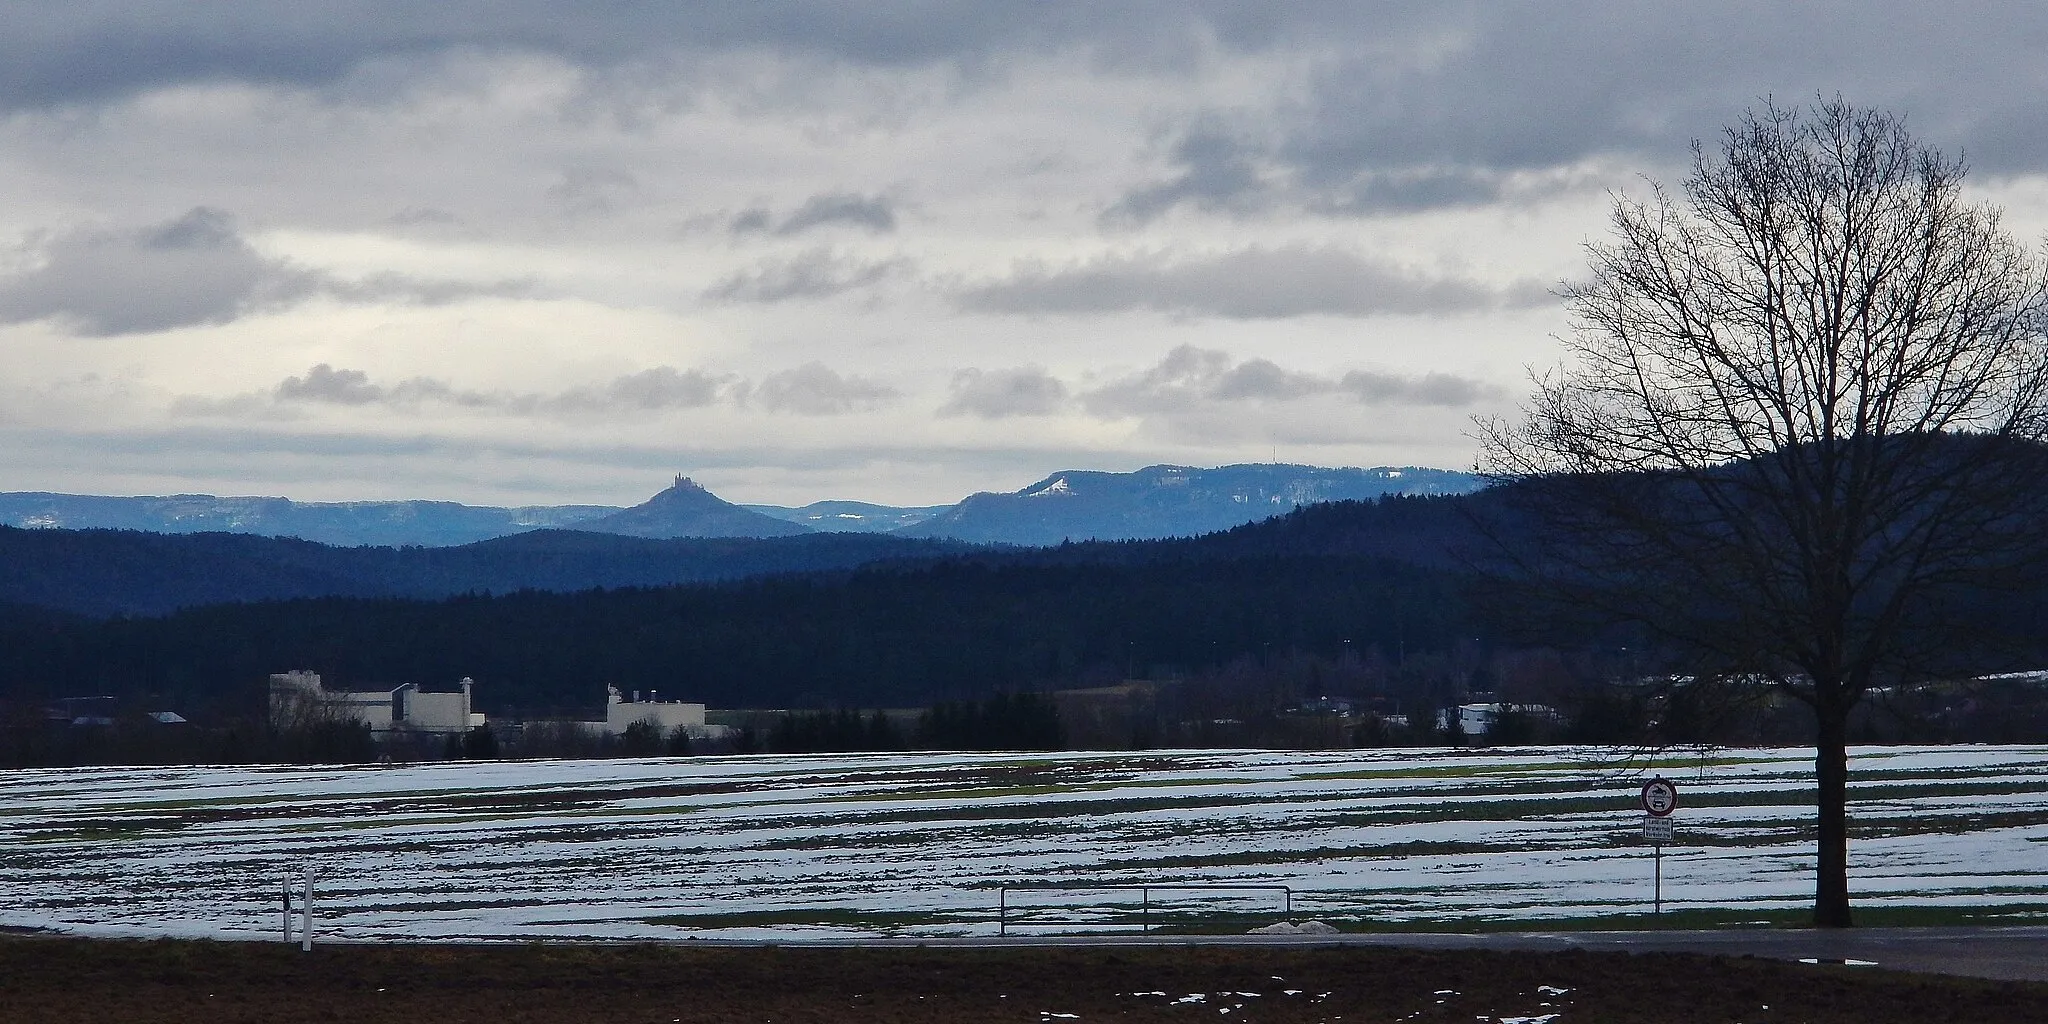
x=1170, y=501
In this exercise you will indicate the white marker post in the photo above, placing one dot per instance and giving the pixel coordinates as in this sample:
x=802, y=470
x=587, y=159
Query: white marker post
x=301, y=878
x=1660, y=798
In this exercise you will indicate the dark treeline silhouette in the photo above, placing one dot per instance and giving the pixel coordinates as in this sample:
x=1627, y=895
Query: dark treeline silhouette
x=1001, y=721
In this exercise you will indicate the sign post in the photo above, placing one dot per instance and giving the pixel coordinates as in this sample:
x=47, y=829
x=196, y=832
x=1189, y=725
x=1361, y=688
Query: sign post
x=1660, y=798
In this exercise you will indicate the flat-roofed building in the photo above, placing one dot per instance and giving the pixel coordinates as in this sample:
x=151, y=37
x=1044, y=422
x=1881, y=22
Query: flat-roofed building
x=298, y=699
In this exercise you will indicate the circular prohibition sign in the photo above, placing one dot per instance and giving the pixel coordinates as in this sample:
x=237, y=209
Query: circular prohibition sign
x=1660, y=797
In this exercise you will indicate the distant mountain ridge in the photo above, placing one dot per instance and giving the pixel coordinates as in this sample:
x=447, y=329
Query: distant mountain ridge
x=686, y=509
x=851, y=516
x=347, y=523
x=129, y=572
x=1170, y=501
x=1157, y=501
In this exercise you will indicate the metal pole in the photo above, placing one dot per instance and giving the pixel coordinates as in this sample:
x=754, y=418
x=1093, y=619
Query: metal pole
x=1145, y=912
x=1660, y=879
x=286, y=886
x=306, y=929
x=1002, y=911
x=1287, y=895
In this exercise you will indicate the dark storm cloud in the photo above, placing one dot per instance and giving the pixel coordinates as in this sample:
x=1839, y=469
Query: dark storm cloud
x=999, y=394
x=815, y=274
x=192, y=270
x=1190, y=379
x=1253, y=283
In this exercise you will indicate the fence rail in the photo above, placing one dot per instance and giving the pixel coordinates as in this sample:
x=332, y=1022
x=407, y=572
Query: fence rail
x=1144, y=897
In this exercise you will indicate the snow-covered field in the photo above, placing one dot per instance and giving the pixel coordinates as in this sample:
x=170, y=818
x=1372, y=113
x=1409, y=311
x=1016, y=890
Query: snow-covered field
x=918, y=844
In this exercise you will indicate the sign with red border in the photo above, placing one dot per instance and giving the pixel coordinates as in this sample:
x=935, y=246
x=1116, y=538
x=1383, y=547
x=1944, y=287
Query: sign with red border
x=1660, y=797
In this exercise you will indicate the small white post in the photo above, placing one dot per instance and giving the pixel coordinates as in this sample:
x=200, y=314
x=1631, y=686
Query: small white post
x=306, y=925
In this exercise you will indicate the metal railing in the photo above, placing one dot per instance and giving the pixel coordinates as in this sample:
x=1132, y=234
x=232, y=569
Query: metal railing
x=1144, y=897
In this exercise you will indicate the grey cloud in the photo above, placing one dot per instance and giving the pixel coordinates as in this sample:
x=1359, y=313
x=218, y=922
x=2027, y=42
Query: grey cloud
x=663, y=387
x=997, y=394
x=1459, y=86
x=100, y=49
x=1428, y=389
x=1246, y=284
x=424, y=216
x=1182, y=379
x=324, y=383
x=653, y=390
x=1412, y=189
x=1514, y=89
x=1191, y=378
x=753, y=221
x=1217, y=172
x=592, y=191
x=875, y=213
x=1262, y=379
x=815, y=274
x=418, y=291
x=194, y=269
x=815, y=390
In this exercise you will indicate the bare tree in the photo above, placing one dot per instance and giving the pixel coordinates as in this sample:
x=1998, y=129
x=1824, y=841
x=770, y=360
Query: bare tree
x=1799, y=422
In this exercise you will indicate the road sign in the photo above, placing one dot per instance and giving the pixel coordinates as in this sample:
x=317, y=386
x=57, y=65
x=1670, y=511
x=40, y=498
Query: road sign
x=1660, y=797
x=1657, y=831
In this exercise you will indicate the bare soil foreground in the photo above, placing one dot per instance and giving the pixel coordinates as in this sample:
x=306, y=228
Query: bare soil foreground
x=114, y=982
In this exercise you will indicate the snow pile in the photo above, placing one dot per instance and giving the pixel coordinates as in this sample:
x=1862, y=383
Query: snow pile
x=1290, y=928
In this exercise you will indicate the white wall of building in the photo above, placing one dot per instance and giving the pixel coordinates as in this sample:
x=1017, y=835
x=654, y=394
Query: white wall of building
x=666, y=715
x=298, y=698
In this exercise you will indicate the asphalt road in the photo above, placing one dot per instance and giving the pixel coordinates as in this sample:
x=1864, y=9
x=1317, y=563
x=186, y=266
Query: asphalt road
x=2010, y=953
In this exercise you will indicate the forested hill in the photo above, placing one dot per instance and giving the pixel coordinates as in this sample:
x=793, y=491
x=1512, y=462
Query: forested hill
x=1381, y=583
x=918, y=623
x=123, y=572
x=893, y=636
x=126, y=572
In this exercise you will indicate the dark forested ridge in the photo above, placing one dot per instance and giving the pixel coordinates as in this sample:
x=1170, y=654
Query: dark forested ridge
x=877, y=637
x=1354, y=597
x=907, y=630
x=127, y=572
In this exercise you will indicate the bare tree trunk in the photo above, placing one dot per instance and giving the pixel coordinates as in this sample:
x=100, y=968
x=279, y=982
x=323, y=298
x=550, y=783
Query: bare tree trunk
x=1831, y=769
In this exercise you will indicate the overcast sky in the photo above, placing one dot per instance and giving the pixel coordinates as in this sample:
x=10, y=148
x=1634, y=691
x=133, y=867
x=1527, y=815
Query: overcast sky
x=896, y=250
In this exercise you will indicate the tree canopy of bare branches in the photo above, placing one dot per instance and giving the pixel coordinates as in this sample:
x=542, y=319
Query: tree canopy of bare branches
x=1801, y=413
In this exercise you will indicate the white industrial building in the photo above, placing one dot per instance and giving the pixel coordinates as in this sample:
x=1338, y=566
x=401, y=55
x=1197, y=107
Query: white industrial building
x=298, y=698
x=666, y=715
